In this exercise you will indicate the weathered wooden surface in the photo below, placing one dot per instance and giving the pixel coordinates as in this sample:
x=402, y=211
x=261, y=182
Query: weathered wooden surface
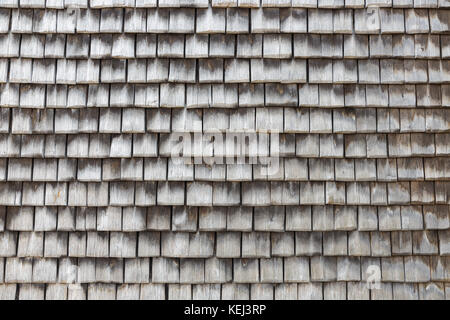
x=93, y=206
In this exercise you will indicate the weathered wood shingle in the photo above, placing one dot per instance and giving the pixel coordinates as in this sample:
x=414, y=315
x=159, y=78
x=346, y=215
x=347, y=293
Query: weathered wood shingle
x=224, y=149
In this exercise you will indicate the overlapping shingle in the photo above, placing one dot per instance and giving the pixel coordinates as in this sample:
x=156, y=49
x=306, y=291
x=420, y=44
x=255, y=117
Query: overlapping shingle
x=93, y=203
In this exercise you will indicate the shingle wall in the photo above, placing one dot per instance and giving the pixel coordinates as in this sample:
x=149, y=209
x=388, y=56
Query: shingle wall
x=93, y=206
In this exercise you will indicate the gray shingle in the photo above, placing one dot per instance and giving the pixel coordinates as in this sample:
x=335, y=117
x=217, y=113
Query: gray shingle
x=237, y=20
x=157, y=20
x=210, y=20
x=265, y=20
x=88, y=20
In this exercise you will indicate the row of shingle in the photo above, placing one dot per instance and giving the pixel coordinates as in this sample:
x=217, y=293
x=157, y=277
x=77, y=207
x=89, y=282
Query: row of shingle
x=161, y=169
x=214, y=20
x=291, y=71
x=172, y=95
x=229, y=291
x=287, y=169
x=256, y=193
x=286, y=121
x=272, y=46
x=61, y=4
x=229, y=219
x=253, y=146
x=412, y=269
x=190, y=219
x=248, y=46
x=229, y=244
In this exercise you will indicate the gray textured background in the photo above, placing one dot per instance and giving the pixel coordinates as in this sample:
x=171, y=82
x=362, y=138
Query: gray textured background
x=92, y=206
